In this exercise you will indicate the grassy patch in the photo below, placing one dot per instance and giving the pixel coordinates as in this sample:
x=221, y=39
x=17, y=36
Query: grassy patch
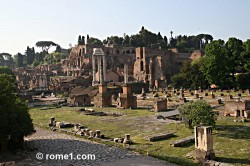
x=231, y=140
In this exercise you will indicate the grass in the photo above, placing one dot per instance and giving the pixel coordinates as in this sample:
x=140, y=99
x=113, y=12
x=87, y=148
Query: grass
x=231, y=140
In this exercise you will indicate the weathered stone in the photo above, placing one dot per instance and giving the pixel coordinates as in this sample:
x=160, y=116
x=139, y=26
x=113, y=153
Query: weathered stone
x=98, y=134
x=204, y=144
x=160, y=105
x=127, y=139
x=182, y=142
x=159, y=136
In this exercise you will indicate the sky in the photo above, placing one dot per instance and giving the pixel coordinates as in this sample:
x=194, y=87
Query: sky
x=24, y=22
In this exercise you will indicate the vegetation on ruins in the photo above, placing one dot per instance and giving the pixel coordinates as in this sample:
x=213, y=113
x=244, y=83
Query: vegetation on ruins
x=14, y=117
x=197, y=113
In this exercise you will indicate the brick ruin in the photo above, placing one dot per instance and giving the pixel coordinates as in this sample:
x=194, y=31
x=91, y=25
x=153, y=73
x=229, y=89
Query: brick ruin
x=237, y=108
x=99, y=65
x=160, y=105
x=103, y=98
x=127, y=99
x=156, y=66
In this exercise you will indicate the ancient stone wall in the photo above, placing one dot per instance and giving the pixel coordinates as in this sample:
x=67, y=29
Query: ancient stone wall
x=160, y=105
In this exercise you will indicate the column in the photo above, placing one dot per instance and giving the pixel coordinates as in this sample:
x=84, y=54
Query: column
x=104, y=67
x=93, y=69
x=126, y=73
x=100, y=65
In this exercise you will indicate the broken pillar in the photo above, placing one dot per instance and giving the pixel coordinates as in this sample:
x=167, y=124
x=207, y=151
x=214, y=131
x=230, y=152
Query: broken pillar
x=204, y=144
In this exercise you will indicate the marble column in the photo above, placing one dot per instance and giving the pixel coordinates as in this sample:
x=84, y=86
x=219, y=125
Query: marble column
x=104, y=59
x=93, y=69
x=126, y=73
x=100, y=65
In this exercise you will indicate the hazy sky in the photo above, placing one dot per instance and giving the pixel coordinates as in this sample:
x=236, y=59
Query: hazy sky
x=24, y=22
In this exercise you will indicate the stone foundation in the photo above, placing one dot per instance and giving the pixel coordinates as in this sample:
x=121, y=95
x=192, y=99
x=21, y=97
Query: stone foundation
x=160, y=105
x=202, y=156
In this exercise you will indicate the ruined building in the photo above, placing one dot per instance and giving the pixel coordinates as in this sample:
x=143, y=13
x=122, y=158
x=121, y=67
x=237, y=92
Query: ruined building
x=156, y=66
x=80, y=60
x=126, y=98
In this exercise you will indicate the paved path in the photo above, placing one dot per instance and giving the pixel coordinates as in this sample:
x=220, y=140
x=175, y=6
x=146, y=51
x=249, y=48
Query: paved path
x=49, y=142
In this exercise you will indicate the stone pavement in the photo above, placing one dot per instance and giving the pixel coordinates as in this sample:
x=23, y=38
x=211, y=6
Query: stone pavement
x=51, y=143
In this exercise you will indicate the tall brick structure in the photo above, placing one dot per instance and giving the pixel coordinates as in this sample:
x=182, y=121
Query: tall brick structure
x=103, y=98
x=156, y=66
x=126, y=99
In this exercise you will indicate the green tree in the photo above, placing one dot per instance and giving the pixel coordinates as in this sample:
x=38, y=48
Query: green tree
x=197, y=113
x=20, y=58
x=179, y=80
x=45, y=45
x=6, y=59
x=234, y=48
x=190, y=76
x=7, y=70
x=15, y=120
x=215, y=64
x=30, y=53
x=94, y=41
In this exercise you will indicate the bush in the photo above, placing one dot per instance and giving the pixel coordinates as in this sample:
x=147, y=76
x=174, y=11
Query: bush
x=197, y=113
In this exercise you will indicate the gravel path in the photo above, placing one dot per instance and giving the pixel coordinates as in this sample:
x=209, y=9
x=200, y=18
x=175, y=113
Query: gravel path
x=51, y=146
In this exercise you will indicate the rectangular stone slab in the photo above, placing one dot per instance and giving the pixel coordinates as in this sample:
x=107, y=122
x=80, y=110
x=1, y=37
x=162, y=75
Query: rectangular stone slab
x=182, y=142
x=159, y=136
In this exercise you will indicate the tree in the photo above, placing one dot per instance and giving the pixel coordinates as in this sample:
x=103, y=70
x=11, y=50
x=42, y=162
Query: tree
x=45, y=45
x=6, y=59
x=190, y=76
x=215, y=64
x=179, y=80
x=79, y=40
x=234, y=48
x=15, y=120
x=30, y=53
x=7, y=70
x=245, y=57
x=197, y=113
x=125, y=41
x=94, y=41
x=20, y=60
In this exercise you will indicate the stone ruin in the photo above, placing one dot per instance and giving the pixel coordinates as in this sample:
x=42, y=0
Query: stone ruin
x=127, y=99
x=204, y=144
x=160, y=105
x=237, y=109
x=103, y=98
x=125, y=140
